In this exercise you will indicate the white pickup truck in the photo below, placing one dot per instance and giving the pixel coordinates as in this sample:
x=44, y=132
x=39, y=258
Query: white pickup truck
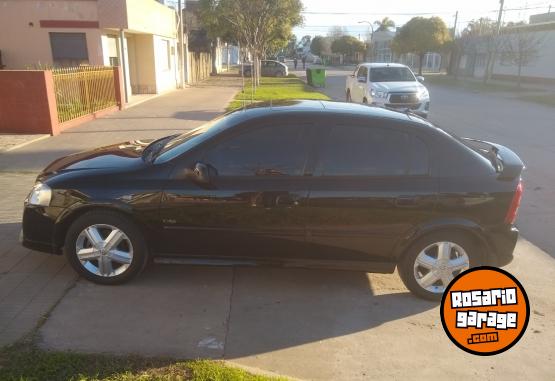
x=388, y=84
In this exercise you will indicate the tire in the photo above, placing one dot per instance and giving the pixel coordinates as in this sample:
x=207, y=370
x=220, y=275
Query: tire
x=348, y=97
x=129, y=248
x=414, y=275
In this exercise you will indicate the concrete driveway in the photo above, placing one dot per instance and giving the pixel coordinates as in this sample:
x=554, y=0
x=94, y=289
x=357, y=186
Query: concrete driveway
x=309, y=324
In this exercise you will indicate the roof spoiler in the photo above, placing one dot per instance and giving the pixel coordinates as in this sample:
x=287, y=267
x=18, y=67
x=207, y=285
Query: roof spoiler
x=507, y=163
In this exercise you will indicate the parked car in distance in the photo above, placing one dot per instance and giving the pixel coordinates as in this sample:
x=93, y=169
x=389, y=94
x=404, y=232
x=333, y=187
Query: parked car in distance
x=390, y=85
x=295, y=183
x=268, y=68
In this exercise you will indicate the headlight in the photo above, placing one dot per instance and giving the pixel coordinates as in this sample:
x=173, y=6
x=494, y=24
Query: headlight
x=378, y=94
x=40, y=195
x=423, y=93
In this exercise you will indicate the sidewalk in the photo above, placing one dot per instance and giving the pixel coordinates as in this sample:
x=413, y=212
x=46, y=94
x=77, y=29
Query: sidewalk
x=174, y=112
x=32, y=283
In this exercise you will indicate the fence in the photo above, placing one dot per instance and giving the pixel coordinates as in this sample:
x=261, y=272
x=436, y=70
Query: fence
x=200, y=66
x=83, y=90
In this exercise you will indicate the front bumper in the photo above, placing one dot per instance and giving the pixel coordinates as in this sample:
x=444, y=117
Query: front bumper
x=421, y=108
x=39, y=228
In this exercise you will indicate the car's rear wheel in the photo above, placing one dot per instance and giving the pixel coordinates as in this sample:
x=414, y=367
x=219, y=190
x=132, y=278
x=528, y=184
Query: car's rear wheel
x=432, y=262
x=105, y=247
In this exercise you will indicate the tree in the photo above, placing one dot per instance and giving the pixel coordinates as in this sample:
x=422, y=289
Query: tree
x=291, y=49
x=520, y=48
x=261, y=26
x=347, y=45
x=384, y=24
x=420, y=36
x=336, y=32
x=318, y=45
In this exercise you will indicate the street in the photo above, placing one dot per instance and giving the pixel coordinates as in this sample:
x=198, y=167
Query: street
x=526, y=128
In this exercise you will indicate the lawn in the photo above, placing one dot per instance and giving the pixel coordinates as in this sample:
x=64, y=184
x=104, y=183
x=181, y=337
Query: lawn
x=23, y=362
x=272, y=89
x=544, y=99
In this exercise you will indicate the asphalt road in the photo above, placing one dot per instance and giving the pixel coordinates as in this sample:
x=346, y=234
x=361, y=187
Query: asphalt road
x=526, y=128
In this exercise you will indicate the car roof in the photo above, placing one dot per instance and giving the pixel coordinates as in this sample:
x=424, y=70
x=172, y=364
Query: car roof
x=382, y=64
x=263, y=109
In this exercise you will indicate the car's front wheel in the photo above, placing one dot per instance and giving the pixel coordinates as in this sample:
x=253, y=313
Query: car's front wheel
x=432, y=262
x=105, y=247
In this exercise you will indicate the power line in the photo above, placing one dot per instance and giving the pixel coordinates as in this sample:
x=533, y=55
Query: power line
x=415, y=13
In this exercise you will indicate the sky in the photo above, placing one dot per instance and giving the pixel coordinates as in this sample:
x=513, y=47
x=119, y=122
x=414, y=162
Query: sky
x=320, y=15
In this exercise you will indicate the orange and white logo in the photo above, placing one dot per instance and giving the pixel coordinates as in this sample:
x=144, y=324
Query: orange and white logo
x=485, y=311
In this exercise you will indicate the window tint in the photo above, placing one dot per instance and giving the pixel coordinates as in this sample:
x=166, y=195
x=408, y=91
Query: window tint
x=362, y=72
x=263, y=151
x=69, y=49
x=364, y=151
x=420, y=157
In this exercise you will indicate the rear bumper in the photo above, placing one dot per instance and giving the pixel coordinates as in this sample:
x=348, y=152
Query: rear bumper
x=502, y=244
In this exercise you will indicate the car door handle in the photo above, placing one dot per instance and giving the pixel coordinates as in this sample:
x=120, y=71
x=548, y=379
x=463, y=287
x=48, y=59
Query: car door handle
x=406, y=201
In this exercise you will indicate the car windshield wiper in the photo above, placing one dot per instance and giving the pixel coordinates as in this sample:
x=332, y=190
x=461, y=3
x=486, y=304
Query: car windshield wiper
x=155, y=147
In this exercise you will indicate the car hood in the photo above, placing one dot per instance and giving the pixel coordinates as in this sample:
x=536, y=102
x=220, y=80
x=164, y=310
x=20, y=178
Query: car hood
x=118, y=156
x=403, y=87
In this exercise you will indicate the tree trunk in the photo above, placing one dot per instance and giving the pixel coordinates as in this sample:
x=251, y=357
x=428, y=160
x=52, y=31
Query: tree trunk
x=519, y=78
x=421, y=61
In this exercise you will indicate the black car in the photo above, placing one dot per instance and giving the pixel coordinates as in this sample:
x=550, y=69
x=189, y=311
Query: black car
x=297, y=183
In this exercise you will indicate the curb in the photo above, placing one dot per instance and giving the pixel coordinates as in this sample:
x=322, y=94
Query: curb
x=17, y=146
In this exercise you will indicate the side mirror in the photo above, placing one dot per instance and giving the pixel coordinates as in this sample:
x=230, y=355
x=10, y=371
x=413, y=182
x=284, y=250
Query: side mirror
x=362, y=79
x=204, y=174
x=420, y=78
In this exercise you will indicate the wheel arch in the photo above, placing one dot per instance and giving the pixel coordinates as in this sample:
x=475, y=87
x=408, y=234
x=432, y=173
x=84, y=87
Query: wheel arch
x=463, y=226
x=70, y=215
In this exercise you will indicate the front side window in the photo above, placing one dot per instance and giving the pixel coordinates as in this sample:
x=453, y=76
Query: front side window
x=362, y=72
x=69, y=49
x=262, y=151
x=364, y=151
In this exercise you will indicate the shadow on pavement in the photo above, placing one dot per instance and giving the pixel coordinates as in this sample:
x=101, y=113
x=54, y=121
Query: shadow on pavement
x=190, y=311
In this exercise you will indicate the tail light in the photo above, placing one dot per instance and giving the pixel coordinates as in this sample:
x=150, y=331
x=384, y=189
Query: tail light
x=510, y=218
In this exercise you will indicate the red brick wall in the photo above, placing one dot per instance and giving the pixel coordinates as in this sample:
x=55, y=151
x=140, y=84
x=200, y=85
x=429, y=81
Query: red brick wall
x=27, y=102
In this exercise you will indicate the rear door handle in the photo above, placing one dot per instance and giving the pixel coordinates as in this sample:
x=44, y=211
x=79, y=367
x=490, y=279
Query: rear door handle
x=406, y=201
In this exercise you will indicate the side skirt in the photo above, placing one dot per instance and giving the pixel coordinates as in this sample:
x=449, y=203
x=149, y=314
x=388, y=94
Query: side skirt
x=370, y=267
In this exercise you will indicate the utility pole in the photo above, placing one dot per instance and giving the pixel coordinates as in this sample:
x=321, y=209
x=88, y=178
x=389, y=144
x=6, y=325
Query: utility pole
x=491, y=54
x=455, y=26
x=181, y=47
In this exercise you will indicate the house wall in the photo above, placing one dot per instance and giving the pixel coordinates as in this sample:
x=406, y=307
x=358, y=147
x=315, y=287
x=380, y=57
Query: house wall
x=142, y=69
x=28, y=44
x=541, y=67
x=166, y=73
x=160, y=20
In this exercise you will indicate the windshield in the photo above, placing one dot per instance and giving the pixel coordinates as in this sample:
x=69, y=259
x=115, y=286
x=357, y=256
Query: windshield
x=182, y=143
x=391, y=74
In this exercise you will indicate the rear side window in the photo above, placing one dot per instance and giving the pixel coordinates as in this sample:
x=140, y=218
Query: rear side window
x=364, y=151
x=419, y=161
x=262, y=151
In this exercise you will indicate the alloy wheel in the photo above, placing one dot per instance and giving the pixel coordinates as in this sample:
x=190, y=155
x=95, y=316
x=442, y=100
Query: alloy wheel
x=104, y=250
x=437, y=264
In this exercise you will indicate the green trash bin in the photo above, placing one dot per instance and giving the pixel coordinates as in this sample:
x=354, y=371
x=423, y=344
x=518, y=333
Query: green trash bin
x=318, y=77
x=309, y=76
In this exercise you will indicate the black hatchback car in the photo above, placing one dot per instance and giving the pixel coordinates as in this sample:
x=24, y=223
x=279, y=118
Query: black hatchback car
x=299, y=183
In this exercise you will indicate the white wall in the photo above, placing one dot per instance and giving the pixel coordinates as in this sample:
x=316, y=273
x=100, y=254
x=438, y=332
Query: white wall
x=542, y=67
x=166, y=77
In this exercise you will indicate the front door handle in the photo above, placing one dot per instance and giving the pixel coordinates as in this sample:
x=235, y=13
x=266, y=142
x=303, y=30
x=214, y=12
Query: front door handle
x=406, y=201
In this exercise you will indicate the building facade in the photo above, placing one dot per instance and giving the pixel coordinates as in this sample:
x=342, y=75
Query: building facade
x=138, y=35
